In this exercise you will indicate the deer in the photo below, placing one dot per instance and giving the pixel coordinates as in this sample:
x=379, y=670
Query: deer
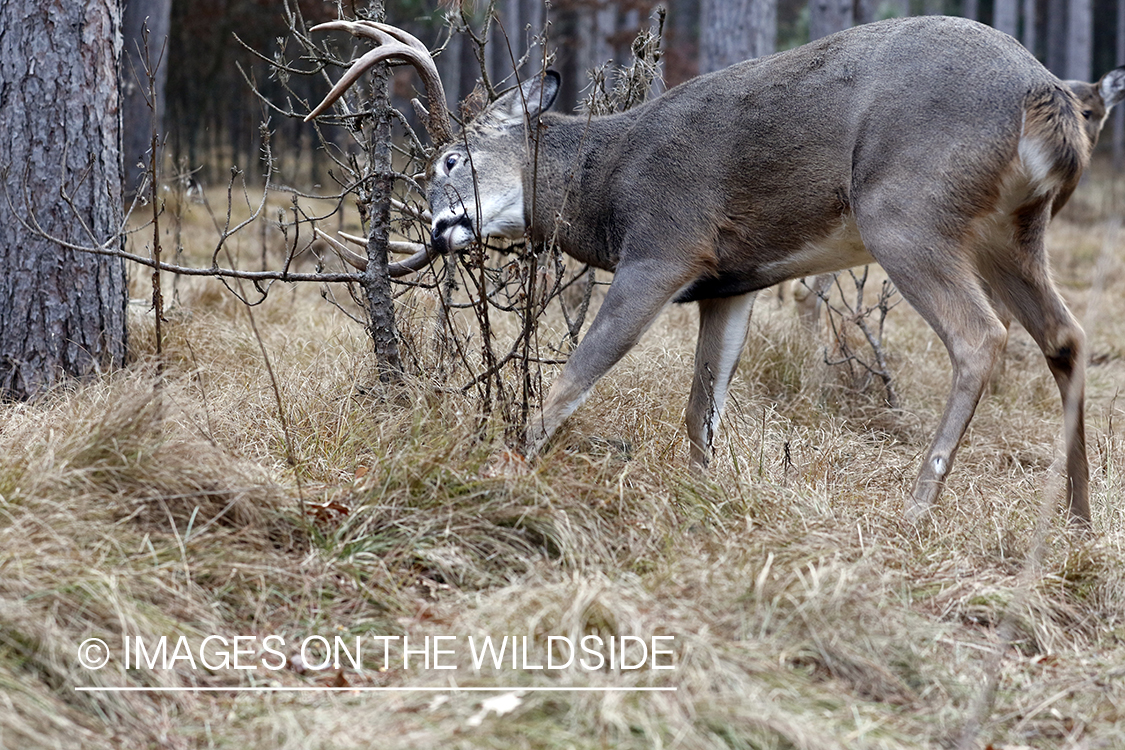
x=935, y=146
x=1096, y=101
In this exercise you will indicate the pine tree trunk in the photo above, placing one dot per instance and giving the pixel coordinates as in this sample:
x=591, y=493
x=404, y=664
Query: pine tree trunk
x=1056, y=39
x=1079, y=40
x=62, y=312
x=605, y=24
x=506, y=42
x=731, y=31
x=828, y=16
x=1006, y=16
x=1030, y=36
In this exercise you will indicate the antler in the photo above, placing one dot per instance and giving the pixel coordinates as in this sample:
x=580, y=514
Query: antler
x=417, y=261
x=394, y=43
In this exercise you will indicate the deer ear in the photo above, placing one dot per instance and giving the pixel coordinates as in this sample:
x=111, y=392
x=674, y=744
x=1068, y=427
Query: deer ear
x=532, y=97
x=1112, y=87
x=541, y=92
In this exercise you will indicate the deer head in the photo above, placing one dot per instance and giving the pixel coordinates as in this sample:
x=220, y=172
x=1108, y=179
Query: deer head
x=475, y=185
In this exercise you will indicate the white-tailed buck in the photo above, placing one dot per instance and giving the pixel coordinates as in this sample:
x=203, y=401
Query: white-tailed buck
x=937, y=147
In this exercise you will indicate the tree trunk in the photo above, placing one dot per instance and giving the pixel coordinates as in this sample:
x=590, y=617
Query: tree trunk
x=1056, y=36
x=1006, y=16
x=469, y=69
x=605, y=23
x=449, y=69
x=569, y=57
x=61, y=312
x=1030, y=36
x=506, y=42
x=731, y=31
x=377, y=278
x=865, y=11
x=828, y=16
x=136, y=114
x=1079, y=40
x=586, y=41
x=970, y=9
x=532, y=18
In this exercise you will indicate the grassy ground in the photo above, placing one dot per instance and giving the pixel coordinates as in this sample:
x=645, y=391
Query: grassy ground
x=804, y=613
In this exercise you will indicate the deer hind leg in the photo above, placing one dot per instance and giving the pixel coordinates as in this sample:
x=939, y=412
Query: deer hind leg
x=1025, y=288
x=722, y=335
x=933, y=274
x=635, y=298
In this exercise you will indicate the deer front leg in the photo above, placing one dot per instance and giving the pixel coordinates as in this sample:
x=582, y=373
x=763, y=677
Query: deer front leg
x=637, y=295
x=722, y=335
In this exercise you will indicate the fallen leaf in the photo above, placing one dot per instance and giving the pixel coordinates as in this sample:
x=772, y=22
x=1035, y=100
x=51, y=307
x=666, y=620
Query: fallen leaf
x=505, y=464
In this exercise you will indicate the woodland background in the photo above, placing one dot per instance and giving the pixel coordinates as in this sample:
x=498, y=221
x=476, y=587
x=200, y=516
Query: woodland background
x=212, y=118
x=231, y=462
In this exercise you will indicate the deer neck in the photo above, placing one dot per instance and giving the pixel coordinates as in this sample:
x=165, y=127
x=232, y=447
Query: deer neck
x=568, y=183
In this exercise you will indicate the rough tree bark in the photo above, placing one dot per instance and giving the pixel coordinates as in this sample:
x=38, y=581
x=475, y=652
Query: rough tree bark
x=61, y=312
x=136, y=116
x=731, y=31
x=377, y=278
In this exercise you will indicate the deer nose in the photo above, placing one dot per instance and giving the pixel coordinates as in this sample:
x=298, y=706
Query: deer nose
x=444, y=228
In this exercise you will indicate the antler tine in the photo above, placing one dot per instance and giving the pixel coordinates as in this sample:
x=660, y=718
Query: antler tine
x=401, y=35
x=352, y=74
x=394, y=43
x=381, y=32
x=415, y=262
x=358, y=28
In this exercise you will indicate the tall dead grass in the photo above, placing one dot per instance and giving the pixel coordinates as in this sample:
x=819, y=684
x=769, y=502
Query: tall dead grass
x=805, y=614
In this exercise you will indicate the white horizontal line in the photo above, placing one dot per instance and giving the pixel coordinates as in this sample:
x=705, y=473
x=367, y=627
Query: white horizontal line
x=357, y=689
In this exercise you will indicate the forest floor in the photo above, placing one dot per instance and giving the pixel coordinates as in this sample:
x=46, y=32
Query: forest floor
x=790, y=604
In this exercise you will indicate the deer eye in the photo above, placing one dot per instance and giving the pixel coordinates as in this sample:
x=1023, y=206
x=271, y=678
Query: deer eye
x=450, y=162
x=1087, y=113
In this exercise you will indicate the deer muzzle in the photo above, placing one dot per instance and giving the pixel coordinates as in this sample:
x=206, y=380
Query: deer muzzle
x=451, y=232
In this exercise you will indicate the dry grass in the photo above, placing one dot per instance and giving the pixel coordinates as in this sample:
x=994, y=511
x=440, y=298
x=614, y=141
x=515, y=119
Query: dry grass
x=805, y=614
